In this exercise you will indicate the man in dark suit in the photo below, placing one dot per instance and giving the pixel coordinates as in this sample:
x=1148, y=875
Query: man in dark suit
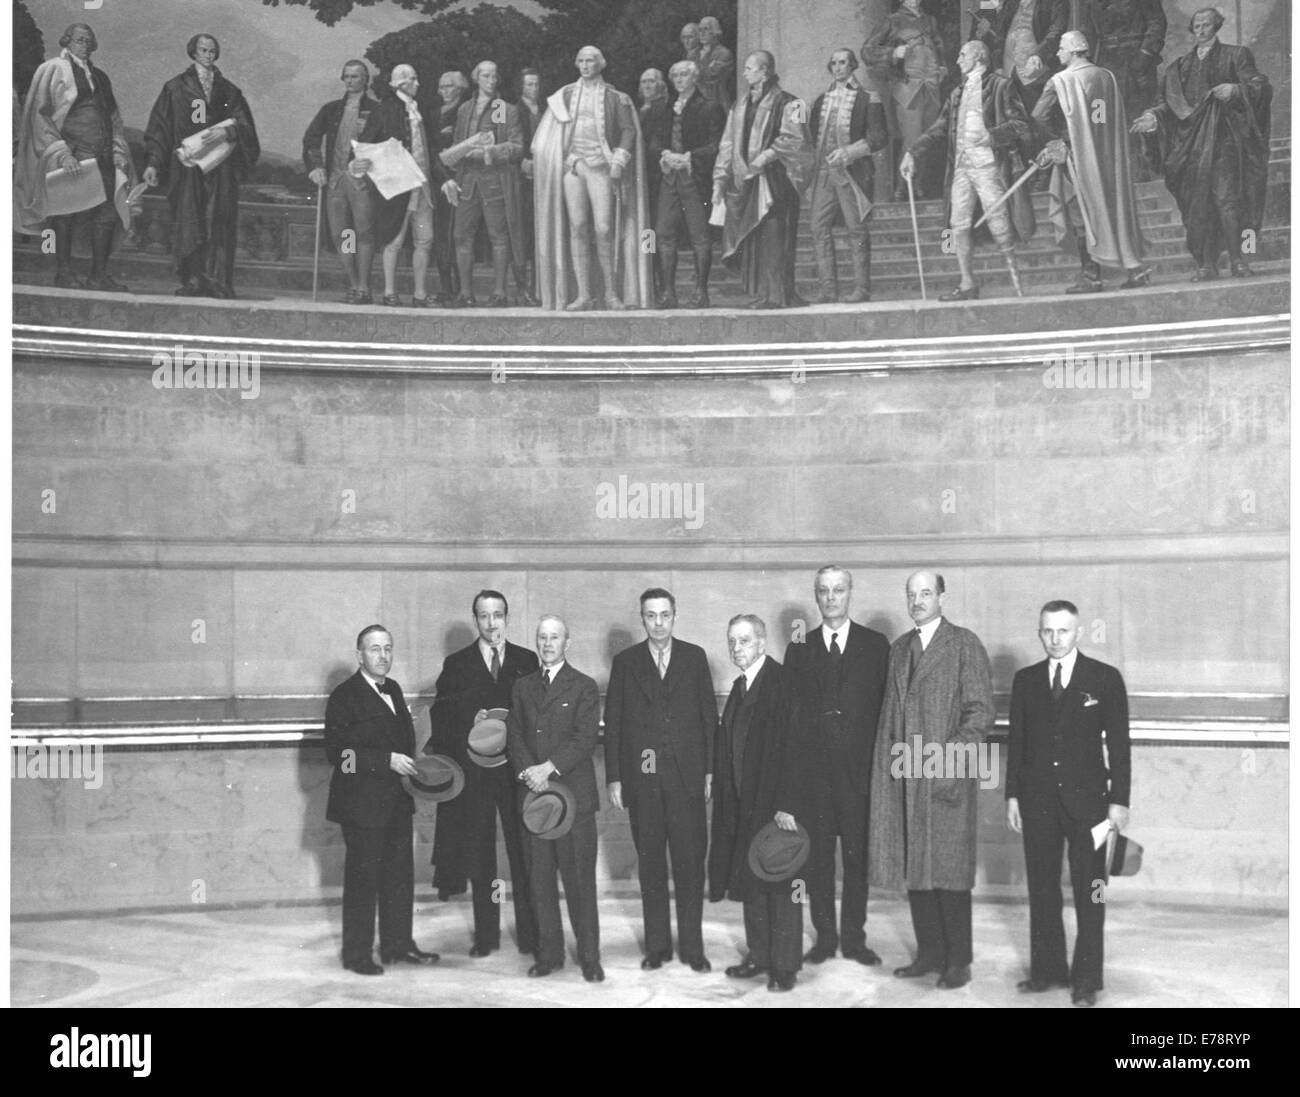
x=369, y=740
x=660, y=716
x=839, y=673
x=474, y=679
x=848, y=125
x=553, y=727
x=1063, y=710
x=685, y=147
x=758, y=763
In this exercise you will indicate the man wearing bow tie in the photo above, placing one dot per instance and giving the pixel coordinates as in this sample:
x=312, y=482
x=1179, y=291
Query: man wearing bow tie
x=1059, y=786
x=474, y=679
x=553, y=726
x=369, y=740
x=839, y=671
x=923, y=828
x=660, y=716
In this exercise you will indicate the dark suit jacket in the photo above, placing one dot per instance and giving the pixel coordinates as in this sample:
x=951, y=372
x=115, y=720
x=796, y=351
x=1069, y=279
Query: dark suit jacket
x=866, y=123
x=1060, y=749
x=864, y=674
x=758, y=771
x=691, y=714
x=1051, y=19
x=394, y=122
x=559, y=724
x=326, y=124
x=702, y=124
x=364, y=788
x=465, y=686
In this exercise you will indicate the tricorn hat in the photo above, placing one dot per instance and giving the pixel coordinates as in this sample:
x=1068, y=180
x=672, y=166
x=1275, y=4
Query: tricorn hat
x=550, y=813
x=1123, y=855
x=775, y=855
x=438, y=778
x=486, y=745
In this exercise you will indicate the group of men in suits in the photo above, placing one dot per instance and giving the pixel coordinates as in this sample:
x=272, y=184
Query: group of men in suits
x=809, y=748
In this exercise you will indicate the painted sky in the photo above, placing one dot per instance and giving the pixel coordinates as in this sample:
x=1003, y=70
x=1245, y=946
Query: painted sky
x=286, y=63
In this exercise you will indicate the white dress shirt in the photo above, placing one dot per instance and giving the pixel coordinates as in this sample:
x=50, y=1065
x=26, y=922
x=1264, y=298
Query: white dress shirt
x=1067, y=668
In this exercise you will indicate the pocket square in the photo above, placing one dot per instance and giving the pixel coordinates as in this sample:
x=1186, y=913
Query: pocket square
x=1089, y=700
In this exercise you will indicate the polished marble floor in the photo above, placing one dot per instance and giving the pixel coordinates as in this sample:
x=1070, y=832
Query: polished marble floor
x=1157, y=955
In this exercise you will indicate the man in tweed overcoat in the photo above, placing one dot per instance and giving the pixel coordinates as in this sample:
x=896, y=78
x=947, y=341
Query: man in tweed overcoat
x=922, y=830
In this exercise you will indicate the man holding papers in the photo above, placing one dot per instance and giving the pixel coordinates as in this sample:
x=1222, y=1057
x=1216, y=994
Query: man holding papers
x=71, y=151
x=1059, y=788
x=202, y=142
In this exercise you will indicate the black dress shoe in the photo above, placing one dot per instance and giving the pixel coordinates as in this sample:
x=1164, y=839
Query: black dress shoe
x=498, y=301
x=1205, y=274
x=655, y=960
x=780, y=983
x=762, y=303
x=528, y=301
x=954, y=977
x=1242, y=270
x=915, y=969
x=223, y=293
x=700, y=963
x=1038, y=986
x=863, y=955
x=479, y=951
x=104, y=284
x=818, y=953
x=539, y=969
x=1137, y=278
x=1082, y=997
x=593, y=973
x=667, y=301
x=960, y=294
x=364, y=967
x=828, y=299
x=745, y=970
x=393, y=302
x=463, y=302
x=412, y=955
x=796, y=302
x=191, y=289
x=69, y=280
x=700, y=301
x=858, y=297
x=362, y=298
x=1086, y=285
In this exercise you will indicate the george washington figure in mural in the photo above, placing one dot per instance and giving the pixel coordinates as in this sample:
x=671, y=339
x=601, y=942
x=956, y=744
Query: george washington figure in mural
x=590, y=196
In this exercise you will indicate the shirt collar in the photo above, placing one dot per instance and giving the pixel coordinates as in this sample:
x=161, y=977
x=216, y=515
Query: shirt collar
x=1067, y=665
x=667, y=649
x=928, y=630
x=486, y=649
x=374, y=682
x=753, y=670
x=1201, y=51
x=553, y=671
x=842, y=632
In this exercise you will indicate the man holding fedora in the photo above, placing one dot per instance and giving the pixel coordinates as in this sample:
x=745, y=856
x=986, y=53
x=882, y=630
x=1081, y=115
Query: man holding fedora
x=474, y=682
x=553, y=726
x=660, y=716
x=369, y=740
x=1064, y=710
x=758, y=762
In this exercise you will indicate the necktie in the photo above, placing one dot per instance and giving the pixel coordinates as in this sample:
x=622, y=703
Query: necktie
x=1057, y=688
x=663, y=667
x=546, y=678
x=742, y=685
x=835, y=648
x=915, y=651
x=496, y=665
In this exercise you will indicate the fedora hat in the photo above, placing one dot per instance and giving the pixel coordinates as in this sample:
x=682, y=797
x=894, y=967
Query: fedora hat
x=550, y=813
x=486, y=745
x=1123, y=855
x=438, y=779
x=775, y=855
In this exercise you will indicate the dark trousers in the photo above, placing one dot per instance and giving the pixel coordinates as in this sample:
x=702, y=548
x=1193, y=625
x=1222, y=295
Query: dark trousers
x=831, y=199
x=496, y=796
x=839, y=810
x=681, y=205
x=941, y=921
x=1045, y=831
x=667, y=816
x=378, y=869
x=574, y=856
x=774, y=931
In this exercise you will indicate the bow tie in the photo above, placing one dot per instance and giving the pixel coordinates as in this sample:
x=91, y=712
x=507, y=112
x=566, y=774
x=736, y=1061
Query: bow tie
x=385, y=687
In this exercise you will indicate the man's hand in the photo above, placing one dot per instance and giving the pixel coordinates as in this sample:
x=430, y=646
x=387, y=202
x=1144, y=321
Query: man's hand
x=900, y=52
x=616, y=794
x=907, y=166
x=70, y=163
x=151, y=176
x=1054, y=152
x=120, y=160
x=1118, y=816
x=1033, y=66
x=1145, y=123
x=1224, y=92
x=1013, y=814
x=785, y=820
x=708, y=787
x=451, y=192
x=360, y=165
x=718, y=198
x=535, y=776
x=401, y=763
x=317, y=176
x=837, y=158
x=983, y=27
x=526, y=166
x=480, y=715
x=616, y=170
